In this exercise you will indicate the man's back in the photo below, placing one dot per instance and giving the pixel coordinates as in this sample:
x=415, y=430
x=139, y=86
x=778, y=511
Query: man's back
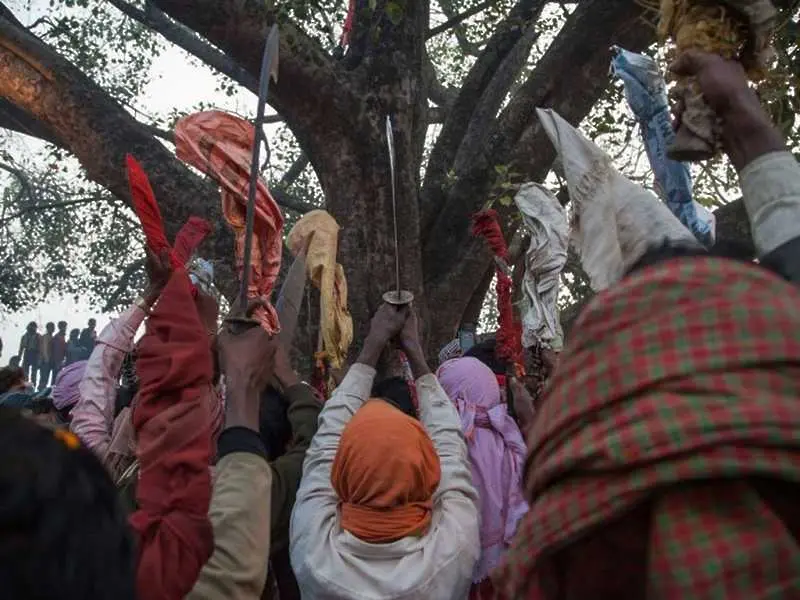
x=87, y=339
x=59, y=347
x=29, y=345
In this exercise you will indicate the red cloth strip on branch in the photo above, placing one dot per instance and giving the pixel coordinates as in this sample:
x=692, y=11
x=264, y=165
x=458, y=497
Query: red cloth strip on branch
x=509, y=332
x=348, y=25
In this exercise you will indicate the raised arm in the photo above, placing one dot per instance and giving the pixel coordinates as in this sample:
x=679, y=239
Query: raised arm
x=303, y=413
x=456, y=497
x=315, y=508
x=769, y=173
x=93, y=415
x=240, y=504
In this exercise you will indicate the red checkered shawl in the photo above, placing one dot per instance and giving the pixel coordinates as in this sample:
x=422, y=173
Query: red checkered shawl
x=672, y=417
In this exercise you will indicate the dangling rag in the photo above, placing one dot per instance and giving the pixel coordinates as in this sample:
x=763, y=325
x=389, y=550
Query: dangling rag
x=646, y=93
x=221, y=145
x=509, y=333
x=615, y=221
x=319, y=232
x=546, y=221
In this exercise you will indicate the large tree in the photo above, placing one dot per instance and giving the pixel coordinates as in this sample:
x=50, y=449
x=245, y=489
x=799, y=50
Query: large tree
x=487, y=137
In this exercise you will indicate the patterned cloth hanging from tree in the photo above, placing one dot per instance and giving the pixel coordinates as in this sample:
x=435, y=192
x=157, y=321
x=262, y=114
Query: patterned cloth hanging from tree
x=221, y=145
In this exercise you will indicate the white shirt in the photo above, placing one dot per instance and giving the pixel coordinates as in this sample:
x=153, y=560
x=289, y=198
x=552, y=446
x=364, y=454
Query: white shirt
x=331, y=563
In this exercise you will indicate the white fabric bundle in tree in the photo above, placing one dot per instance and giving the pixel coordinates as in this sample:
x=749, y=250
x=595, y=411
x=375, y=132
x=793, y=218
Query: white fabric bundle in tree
x=546, y=221
x=614, y=221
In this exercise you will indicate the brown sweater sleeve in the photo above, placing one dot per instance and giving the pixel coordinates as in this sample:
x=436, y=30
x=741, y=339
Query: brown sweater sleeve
x=303, y=412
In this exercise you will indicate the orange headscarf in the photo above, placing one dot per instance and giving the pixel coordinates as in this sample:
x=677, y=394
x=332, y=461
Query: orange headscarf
x=385, y=473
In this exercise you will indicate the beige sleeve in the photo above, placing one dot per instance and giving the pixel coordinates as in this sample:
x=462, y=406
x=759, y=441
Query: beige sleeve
x=240, y=514
x=771, y=194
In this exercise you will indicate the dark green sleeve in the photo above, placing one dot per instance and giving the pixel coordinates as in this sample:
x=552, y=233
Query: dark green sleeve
x=303, y=412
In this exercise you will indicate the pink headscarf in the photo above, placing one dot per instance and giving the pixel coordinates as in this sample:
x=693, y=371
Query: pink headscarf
x=496, y=451
x=65, y=388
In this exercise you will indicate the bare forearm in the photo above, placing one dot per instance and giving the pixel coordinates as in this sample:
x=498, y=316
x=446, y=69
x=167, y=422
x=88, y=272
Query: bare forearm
x=242, y=406
x=416, y=358
x=748, y=133
x=371, y=352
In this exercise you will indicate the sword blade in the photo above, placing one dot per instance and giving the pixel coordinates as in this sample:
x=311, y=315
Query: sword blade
x=390, y=146
x=291, y=297
x=269, y=62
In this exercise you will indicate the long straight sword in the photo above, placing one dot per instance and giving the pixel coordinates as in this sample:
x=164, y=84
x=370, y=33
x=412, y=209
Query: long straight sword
x=269, y=69
x=398, y=296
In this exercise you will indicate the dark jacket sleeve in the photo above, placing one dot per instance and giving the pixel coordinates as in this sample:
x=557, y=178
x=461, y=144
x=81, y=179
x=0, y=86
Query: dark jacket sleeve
x=785, y=261
x=303, y=412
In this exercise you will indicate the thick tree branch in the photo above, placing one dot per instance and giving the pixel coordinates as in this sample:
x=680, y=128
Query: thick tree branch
x=14, y=119
x=508, y=34
x=459, y=31
x=186, y=39
x=457, y=20
x=440, y=94
x=570, y=78
x=294, y=171
x=314, y=94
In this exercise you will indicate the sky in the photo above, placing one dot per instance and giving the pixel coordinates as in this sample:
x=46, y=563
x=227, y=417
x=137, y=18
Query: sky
x=176, y=83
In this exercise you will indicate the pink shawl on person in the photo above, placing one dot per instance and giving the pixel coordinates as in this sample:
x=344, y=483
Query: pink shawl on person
x=496, y=451
x=65, y=392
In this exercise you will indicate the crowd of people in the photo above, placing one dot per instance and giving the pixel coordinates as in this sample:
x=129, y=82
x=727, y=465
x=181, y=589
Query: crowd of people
x=657, y=460
x=41, y=356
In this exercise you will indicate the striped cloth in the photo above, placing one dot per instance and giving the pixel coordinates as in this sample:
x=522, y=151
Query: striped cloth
x=665, y=457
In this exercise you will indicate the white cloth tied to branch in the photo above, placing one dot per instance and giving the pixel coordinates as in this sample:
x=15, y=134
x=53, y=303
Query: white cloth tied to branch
x=546, y=221
x=614, y=221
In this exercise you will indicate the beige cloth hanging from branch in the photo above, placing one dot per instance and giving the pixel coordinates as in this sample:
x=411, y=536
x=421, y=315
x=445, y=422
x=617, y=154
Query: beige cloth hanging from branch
x=614, y=221
x=545, y=258
x=327, y=275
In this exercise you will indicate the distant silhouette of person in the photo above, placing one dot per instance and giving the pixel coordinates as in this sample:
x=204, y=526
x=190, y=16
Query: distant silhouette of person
x=59, y=348
x=75, y=351
x=46, y=355
x=89, y=335
x=29, y=351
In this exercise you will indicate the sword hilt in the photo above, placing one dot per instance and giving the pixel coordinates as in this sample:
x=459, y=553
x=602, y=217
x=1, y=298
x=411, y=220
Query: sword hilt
x=238, y=325
x=398, y=297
